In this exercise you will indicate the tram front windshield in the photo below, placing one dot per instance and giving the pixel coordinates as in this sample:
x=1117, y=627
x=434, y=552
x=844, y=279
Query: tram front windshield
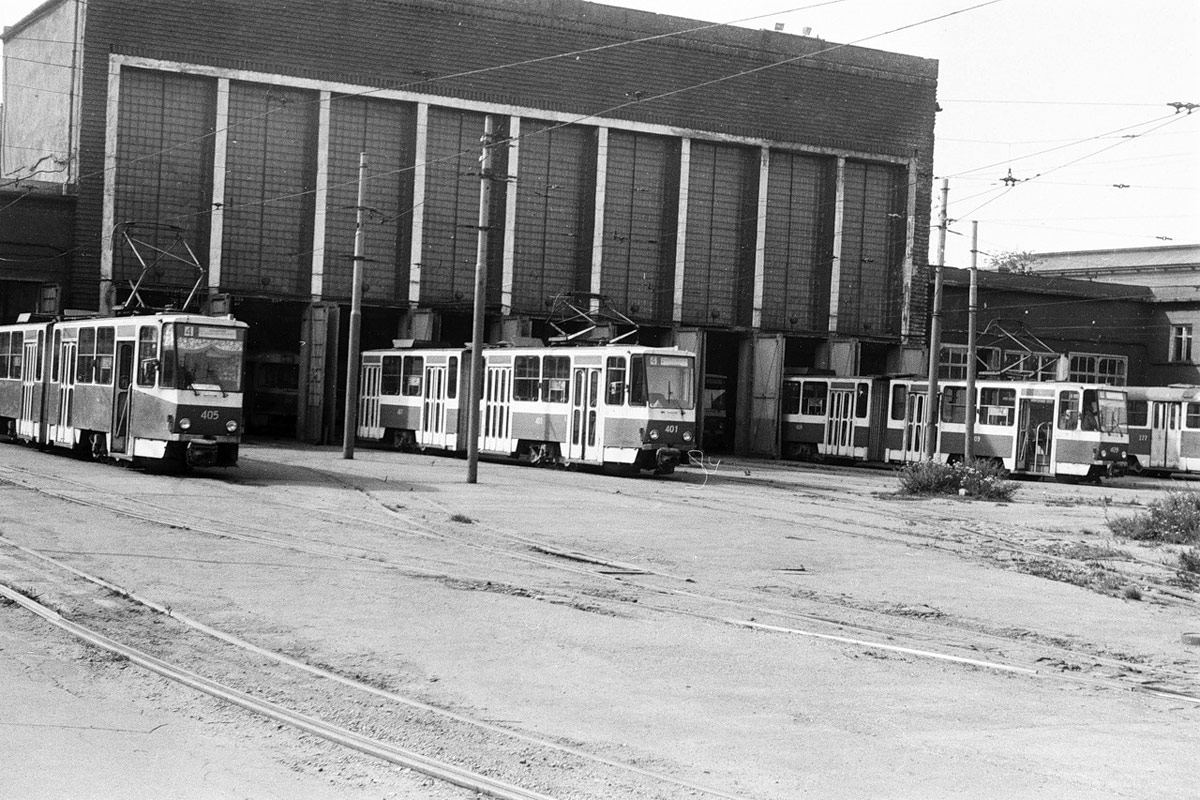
x=668, y=382
x=202, y=357
x=1104, y=410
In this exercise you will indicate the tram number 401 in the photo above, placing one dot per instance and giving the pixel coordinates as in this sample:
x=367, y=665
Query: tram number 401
x=210, y=414
x=672, y=429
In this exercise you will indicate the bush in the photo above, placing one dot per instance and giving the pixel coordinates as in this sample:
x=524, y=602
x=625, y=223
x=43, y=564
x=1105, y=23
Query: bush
x=1189, y=560
x=980, y=478
x=1174, y=519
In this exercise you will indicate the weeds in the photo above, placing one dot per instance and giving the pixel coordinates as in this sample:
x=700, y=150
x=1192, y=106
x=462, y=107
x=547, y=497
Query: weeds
x=1175, y=519
x=463, y=518
x=980, y=479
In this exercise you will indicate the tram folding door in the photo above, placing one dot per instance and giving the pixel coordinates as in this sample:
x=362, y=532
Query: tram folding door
x=66, y=392
x=839, y=425
x=433, y=407
x=913, y=447
x=30, y=422
x=368, y=398
x=1164, y=436
x=584, y=441
x=121, y=441
x=495, y=430
x=1035, y=440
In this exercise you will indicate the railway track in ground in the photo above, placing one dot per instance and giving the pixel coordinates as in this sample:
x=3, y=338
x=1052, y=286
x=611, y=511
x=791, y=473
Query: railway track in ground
x=902, y=630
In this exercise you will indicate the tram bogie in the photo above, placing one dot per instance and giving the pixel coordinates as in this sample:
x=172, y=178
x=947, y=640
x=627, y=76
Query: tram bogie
x=628, y=407
x=161, y=387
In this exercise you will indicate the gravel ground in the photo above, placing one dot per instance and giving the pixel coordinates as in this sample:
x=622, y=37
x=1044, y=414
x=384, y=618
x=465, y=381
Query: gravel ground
x=749, y=629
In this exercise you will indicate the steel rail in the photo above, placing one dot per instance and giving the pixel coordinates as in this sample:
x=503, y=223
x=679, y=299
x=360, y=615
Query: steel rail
x=373, y=747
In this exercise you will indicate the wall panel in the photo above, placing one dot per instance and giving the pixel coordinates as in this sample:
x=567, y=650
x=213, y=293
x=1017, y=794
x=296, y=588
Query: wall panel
x=385, y=131
x=271, y=166
x=642, y=191
x=799, y=243
x=873, y=239
x=718, y=279
x=164, y=172
x=556, y=191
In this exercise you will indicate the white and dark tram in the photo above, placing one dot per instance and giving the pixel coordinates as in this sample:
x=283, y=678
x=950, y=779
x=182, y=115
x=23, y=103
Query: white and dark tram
x=624, y=406
x=1164, y=428
x=155, y=387
x=1035, y=428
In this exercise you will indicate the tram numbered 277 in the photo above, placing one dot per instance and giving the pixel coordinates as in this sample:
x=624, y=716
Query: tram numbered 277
x=1034, y=428
x=622, y=406
x=160, y=387
x=1164, y=428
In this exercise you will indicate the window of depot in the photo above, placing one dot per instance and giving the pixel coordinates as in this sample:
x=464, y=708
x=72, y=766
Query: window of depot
x=1181, y=343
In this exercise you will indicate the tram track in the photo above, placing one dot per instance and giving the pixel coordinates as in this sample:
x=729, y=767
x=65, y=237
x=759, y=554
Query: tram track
x=883, y=634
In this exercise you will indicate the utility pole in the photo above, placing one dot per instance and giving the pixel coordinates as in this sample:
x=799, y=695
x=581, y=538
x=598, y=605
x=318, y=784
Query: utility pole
x=972, y=305
x=935, y=329
x=485, y=224
x=350, y=426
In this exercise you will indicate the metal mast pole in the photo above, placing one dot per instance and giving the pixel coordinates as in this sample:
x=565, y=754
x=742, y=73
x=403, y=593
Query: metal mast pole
x=935, y=329
x=350, y=426
x=485, y=223
x=973, y=303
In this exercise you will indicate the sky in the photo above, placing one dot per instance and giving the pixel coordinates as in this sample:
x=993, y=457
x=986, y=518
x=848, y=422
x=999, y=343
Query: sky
x=1069, y=97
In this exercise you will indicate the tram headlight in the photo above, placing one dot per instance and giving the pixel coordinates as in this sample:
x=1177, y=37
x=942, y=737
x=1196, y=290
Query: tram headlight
x=687, y=436
x=654, y=434
x=231, y=426
x=184, y=423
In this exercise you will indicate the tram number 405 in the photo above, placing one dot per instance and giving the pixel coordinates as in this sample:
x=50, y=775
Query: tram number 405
x=210, y=414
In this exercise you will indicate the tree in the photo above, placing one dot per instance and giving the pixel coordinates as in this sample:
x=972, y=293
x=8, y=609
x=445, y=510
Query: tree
x=1017, y=261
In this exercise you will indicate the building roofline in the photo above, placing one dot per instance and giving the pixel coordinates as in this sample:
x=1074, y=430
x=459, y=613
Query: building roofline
x=1039, y=284
x=30, y=18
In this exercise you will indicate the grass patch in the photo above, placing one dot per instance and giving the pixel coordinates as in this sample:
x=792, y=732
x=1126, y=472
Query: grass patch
x=979, y=479
x=1174, y=519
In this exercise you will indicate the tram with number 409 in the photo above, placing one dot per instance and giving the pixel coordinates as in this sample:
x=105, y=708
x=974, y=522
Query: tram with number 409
x=154, y=387
x=629, y=407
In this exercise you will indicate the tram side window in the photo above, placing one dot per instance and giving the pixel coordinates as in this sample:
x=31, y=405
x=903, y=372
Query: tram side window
x=147, y=355
x=106, y=348
x=899, y=402
x=41, y=341
x=1192, y=418
x=791, y=397
x=556, y=371
x=1068, y=411
x=11, y=354
x=812, y=398
x=85, y=359
x=5, y=338
x=637, y=381
x=56, y=356
x=997, y=406
x=614, y=395
x=452, y=378
x=526, y=377
x=860, y=400
x=389, y=377
x=411, y=376
x=1136, y=413
x=954, y=404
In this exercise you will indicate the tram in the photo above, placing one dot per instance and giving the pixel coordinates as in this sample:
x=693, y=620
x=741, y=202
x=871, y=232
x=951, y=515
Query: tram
x=626, y=406
x=1056, y=429
x=1164, y=428
x=160, y=387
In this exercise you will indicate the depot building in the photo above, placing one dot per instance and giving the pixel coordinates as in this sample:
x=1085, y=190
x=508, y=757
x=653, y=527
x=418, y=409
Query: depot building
x=758, y=197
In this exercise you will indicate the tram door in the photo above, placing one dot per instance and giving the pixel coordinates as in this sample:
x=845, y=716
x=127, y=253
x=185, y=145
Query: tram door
x=583, y=440
x=433, y=407
x=1035, y=436
x=839, y=424
x=1164, y=436
x=66, y=391
x=496, y=425
x=914, y=427
x=121, y=441
x=31, y=418
x=368, y=396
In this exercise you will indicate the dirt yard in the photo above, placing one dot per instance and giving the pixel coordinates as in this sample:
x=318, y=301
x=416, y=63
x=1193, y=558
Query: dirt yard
x=740, y=630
